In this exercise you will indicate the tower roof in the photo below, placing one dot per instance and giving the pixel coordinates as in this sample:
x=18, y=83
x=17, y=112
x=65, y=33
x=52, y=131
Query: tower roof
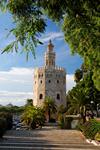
x=50, y=46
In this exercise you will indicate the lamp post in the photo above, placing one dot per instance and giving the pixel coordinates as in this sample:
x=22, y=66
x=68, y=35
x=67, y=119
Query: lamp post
x=98, y=106
x=92, y=102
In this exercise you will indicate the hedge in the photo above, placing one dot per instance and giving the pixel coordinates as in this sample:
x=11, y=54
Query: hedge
x=90, y=128
x=3, y=126
x=97, y=137
x=8, y=117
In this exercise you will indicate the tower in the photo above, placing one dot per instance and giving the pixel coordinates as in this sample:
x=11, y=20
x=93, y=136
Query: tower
x=50, y=56
x=49, y=80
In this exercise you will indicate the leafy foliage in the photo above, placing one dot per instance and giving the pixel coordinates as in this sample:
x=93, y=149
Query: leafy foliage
x=78, y=75
x=8, y=118
x=29, y=23
x=61, y=122
x=12, y=109
x=80, y=97
x=2, y=126
x=33, y=117
x=90, y=128
x=79, y=20
x=49, y=106
x=29, y=102
x=5, y=122
x=97, y=137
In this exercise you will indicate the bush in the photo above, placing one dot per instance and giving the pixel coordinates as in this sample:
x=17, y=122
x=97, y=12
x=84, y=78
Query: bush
x=33, y=117
x=3, y=126
x=8, y=117
x=38, y=119
x=61, y=121
x=90, y=128
x=97, y=137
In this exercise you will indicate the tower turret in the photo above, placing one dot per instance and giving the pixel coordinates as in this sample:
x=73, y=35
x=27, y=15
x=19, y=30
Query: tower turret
x=50, y=56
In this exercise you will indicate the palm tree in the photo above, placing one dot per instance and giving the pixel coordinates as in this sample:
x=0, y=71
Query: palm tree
x=33, y=117
x=77, y=101
x=49, y=107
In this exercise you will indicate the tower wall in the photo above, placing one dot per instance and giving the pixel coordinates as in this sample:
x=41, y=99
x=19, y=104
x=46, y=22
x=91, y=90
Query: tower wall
x=39, y=87
x=55, y=85
x=49, y=81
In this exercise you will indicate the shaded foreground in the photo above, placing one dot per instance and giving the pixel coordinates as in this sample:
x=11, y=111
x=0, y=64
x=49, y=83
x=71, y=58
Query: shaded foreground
x=48, y=138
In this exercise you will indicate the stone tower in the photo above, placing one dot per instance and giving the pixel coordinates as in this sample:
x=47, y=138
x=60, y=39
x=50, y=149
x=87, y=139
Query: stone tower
x=49, y=80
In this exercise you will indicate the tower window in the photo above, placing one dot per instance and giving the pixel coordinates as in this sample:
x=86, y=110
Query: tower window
x=49, y=81
x=57, y=81
x=58, y=96
x=41, y=81
x=41, y=96
x=52, y=62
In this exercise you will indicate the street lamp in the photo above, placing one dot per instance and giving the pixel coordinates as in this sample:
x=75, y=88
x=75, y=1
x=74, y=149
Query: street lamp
x=92, y=102
x=98, y=108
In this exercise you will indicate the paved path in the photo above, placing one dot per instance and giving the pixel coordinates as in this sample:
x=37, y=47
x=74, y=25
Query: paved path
x=45, y=139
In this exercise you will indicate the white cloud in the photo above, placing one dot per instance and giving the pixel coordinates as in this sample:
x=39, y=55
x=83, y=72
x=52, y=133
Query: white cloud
x=21, y=75
x=70, y=81
x=18, y=71
x=16, y=85
x=16, y=98
x=52, y=36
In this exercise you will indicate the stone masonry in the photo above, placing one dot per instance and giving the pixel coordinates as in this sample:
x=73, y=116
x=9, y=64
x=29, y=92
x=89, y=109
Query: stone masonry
x=49, y=80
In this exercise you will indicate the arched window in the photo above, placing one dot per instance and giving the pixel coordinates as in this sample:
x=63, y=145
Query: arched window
x=57, y=81
x=41, y=81
x=58, y=96
x=49, y=81
x=41, y=96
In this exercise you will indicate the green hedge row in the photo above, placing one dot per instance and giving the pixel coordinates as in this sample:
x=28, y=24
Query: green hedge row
x=5, y=122
x=90, y=128
x=3, y=126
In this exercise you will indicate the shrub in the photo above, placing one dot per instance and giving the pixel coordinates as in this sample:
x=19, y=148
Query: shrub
x=33, y=117
x=3, y=126
x=97, y=136
x=90, y=128
x=8, y=118
x=61, y=121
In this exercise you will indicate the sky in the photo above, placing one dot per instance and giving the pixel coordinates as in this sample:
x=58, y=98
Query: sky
x=16, y=74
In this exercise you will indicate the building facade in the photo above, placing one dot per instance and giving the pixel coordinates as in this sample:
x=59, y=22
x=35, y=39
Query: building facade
x=49, y=80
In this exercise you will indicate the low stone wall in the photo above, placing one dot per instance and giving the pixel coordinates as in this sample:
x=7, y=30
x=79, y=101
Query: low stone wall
x=72, y=121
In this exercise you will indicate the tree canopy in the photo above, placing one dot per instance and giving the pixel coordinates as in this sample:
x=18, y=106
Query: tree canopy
x=82, y=95
x=79, y=20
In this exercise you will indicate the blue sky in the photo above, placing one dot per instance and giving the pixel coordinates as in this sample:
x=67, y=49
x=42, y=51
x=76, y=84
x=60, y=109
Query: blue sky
x=16, y=74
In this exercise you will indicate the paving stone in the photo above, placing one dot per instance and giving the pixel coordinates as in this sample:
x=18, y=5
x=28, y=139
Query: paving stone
x=47, y=138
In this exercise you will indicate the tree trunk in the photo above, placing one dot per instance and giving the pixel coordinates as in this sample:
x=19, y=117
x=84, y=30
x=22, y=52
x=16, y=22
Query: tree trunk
x=49, y=114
